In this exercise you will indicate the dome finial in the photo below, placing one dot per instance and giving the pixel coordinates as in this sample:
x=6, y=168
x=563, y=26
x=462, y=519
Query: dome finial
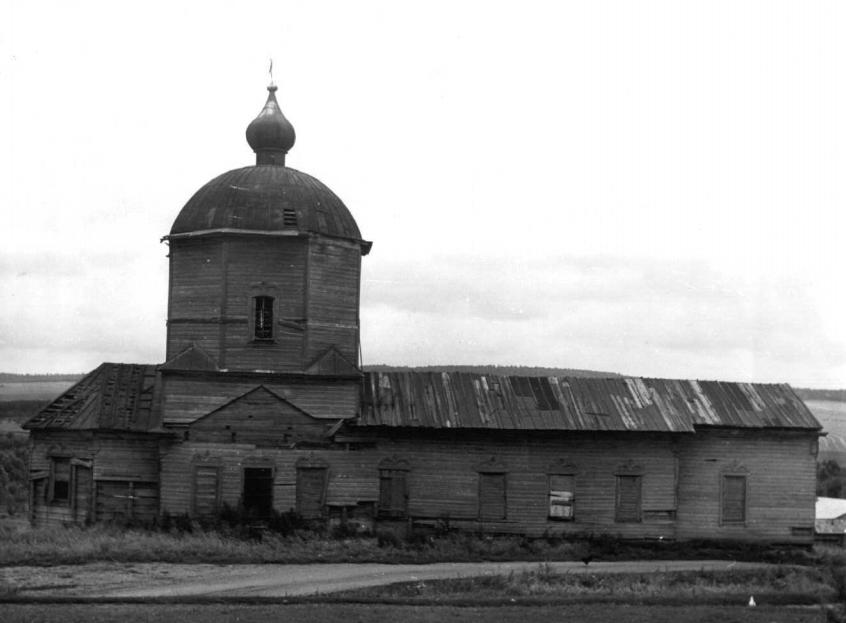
x=270, y=134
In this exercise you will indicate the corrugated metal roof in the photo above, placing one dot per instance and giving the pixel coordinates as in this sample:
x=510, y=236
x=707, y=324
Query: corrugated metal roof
x=114, y=396
x=462, y=400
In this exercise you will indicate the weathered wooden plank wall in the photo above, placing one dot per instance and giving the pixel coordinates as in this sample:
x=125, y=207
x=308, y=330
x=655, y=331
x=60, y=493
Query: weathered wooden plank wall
x=444, y=479
x=116, y=460
x=260, y=418
x=314, y=282
x=334, y=271
x=781, y=482
x=213, y=281
x=680, y=482
x=185, y=398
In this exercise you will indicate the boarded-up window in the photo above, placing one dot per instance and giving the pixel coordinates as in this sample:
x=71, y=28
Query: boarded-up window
x=562, y=497
x=206, y=489
x=258, y=491
x=393, y=494
x=263, y=318
x=121, y=500
x=627, y=508
x=734, y=499
x=491, y=496
x=311, y=488
x=60, y=484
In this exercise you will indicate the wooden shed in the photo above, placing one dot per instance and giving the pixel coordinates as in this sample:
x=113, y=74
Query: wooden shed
x=94, y=451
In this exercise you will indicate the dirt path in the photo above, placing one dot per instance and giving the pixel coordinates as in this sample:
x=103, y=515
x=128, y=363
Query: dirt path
x=112, y=580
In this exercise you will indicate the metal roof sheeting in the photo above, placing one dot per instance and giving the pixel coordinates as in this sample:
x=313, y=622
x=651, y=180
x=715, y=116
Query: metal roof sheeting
x=114, y=396
x=266, y=198
x=462, y=400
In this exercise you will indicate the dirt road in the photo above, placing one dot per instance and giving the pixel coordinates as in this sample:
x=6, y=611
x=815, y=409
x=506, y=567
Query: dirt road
x=115, y=581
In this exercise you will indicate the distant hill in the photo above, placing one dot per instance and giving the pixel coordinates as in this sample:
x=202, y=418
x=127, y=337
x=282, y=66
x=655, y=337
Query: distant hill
x=838, y=395
x=493, y=369
x=10, y=377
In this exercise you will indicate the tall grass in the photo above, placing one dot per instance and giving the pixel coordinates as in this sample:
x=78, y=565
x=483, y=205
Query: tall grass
x=286, y=540
x=781, y=584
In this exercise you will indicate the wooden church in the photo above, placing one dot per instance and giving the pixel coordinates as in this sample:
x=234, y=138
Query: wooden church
x=261, y=405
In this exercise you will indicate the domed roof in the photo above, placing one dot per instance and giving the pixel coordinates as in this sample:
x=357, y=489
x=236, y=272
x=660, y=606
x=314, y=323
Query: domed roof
x=268, y=197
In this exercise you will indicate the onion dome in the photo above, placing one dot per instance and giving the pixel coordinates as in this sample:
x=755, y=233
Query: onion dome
x=268, y=198
x=270, y=134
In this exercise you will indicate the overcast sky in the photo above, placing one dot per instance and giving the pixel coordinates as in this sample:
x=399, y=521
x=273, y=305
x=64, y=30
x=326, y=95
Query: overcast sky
x=652, y=188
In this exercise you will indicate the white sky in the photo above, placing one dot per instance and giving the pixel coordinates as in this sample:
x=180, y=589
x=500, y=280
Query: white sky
x=653, y=188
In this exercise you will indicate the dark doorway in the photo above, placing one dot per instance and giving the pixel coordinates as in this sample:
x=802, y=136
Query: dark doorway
x=258, y=491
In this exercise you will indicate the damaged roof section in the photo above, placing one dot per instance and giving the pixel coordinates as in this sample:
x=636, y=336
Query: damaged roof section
x=461, y=400
x=114, y=396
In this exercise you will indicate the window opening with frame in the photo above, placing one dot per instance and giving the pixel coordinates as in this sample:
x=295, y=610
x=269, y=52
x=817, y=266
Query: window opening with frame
x=263, y=318
x=562, y=497
x=60, y=485
x=393, y=492
x=628, y=499
x=733, y=508
x=206, y=489
x=492, y=500
x=311, y=491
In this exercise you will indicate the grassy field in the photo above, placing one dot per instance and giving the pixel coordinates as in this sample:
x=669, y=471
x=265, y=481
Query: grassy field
x=375, y=613
x=22, y=544
x=775, y=585
x=33, y=390
x=831, y=414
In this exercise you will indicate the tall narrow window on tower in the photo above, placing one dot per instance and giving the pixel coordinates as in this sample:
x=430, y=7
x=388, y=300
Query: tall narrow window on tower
x=263, y=318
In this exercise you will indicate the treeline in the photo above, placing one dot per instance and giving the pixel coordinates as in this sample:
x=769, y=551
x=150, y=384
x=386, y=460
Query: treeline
x=11, y=377
x=821, y=394
x=830, y=480
x=494, y=369
x=14, y=457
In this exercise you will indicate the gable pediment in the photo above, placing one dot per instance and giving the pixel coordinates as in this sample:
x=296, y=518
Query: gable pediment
x=259, y=417
x=192, y=358
x=332, y=362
